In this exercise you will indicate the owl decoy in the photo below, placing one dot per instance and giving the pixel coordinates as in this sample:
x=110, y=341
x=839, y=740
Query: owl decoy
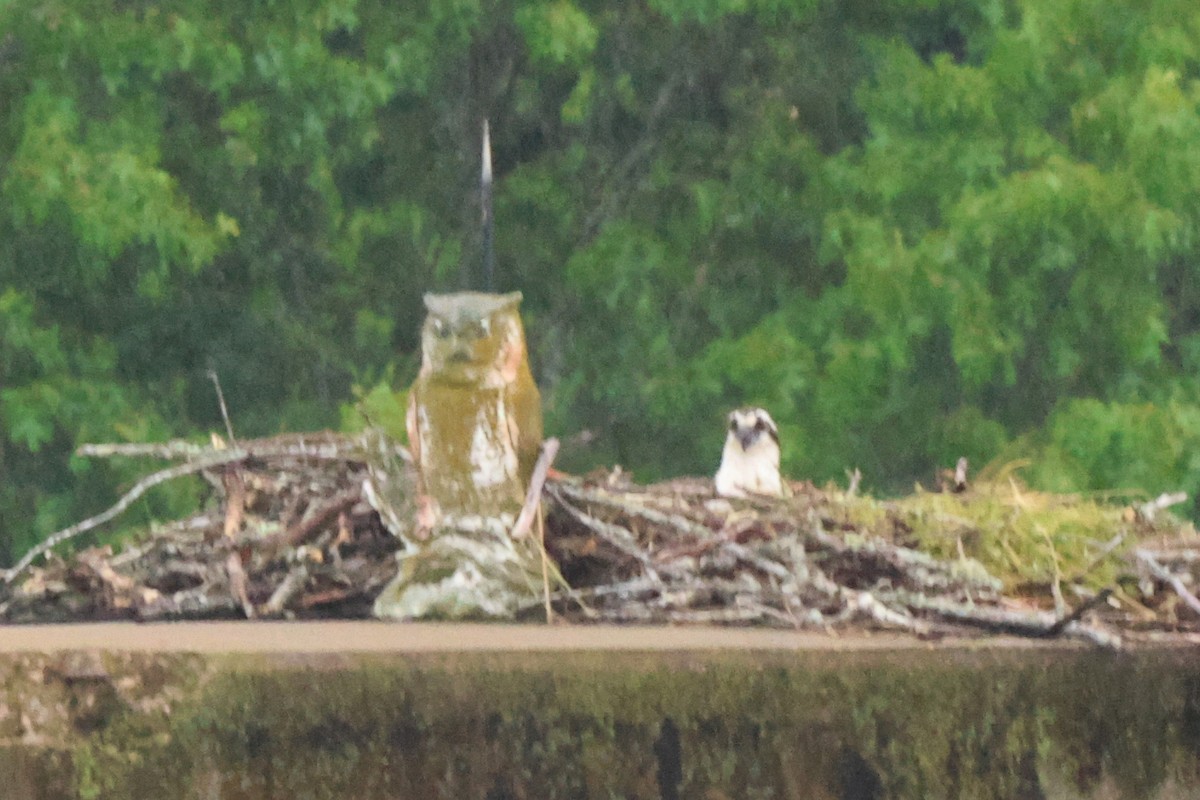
x=750, y=460
x=474, y=413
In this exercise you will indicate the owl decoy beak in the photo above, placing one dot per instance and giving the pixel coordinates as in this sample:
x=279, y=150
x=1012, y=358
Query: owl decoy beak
x=460, y=355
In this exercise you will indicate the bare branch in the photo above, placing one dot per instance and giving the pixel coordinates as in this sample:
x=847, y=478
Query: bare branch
x=218, y=458
x=533, y=496
x=1164, y=574
x=212, y=376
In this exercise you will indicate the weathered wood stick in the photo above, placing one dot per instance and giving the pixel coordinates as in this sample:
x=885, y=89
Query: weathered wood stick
x=237, y=584
x=235, y=500
x=217, y=459
x=872, y=607
x=1061, y=624
x=1149, y=511
x=328, y=597
x=679, y=522
x=176, y=448
x=615, y=536
x=189, y=604
x=541, y=526
x=212, y=376
x=287, y=591
x=1034, y=624
x=304, y=530
x=322, y=447
x=533, y=497
x=1164, y=574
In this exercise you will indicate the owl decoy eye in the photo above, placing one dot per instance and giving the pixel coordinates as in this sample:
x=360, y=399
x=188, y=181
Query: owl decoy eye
x=440, y=328
x=477, y=330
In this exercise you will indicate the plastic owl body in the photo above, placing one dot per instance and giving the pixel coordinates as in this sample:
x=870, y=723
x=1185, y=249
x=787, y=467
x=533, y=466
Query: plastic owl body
x=474, y=414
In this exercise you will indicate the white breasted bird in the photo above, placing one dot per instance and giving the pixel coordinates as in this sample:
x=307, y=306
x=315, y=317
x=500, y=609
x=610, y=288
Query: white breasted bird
x=750, y=461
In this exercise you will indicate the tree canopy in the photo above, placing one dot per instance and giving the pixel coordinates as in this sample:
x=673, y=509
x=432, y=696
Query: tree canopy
x=912, y=229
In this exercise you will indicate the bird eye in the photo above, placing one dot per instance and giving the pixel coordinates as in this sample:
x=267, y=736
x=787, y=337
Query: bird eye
x=733, y=424
x=759, y=425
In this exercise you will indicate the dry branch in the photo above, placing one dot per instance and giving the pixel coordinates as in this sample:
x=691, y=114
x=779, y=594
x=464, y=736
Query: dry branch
x=1164, y=574
x=286, y=592
x=301, y=532
x=237, y=584
x=139, y=489
x=187, y=570
x=533, y=496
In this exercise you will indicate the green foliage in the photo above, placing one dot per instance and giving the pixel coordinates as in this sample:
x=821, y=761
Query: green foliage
x=58, y=391
x=557, y=32
x=377, y=407
x=913, y=230
x=1091, y=445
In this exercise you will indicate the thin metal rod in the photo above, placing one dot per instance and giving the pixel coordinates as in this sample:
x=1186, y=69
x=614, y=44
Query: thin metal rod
x=485, y=196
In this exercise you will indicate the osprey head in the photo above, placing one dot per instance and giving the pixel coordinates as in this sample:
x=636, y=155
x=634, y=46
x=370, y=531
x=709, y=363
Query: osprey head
x=749, y=425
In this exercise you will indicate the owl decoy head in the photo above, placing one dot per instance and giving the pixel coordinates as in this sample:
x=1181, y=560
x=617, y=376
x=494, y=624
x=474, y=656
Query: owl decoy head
x=472, y=337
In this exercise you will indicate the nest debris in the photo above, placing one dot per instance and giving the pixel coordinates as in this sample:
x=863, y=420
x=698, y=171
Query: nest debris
x=310, y=526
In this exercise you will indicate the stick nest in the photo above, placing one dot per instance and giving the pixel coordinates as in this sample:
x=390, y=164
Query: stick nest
x=310, y=526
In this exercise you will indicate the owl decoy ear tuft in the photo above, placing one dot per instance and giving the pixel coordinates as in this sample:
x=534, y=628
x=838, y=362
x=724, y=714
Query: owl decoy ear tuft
x=472, y=304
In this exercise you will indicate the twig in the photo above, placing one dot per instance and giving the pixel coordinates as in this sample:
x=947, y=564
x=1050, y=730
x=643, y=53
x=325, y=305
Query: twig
x=541, y=525
x=710, y=616
x=1061, y=625
x=140, y=488
x=1033, y=624
x=287, y=590
x=614, y=535
x=855, y=478
x=1098, y=559
x=533, y=496
x=321, y=447
x=1060, y=604
x=1094, y=634
x=235, y=500
x=212, y=375
x=312, y=524
x=747, y=555
x=624, y=591
x=1164, y=574
x=871, y=606
x=533, y=509
x=917, y=567
x=680, y=523
x=1148, y=511
x=328, y=597
x=123, y=591
x=237, y=583
x=189, y=604
x=176, y=448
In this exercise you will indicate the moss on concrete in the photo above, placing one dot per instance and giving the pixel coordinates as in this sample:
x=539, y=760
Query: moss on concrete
x=936, y=724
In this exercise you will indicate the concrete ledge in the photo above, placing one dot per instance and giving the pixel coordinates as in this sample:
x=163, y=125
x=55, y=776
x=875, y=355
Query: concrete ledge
x=275, y=711
x=392, y=637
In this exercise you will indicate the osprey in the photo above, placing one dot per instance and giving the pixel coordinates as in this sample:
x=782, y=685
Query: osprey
x=750, y=461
